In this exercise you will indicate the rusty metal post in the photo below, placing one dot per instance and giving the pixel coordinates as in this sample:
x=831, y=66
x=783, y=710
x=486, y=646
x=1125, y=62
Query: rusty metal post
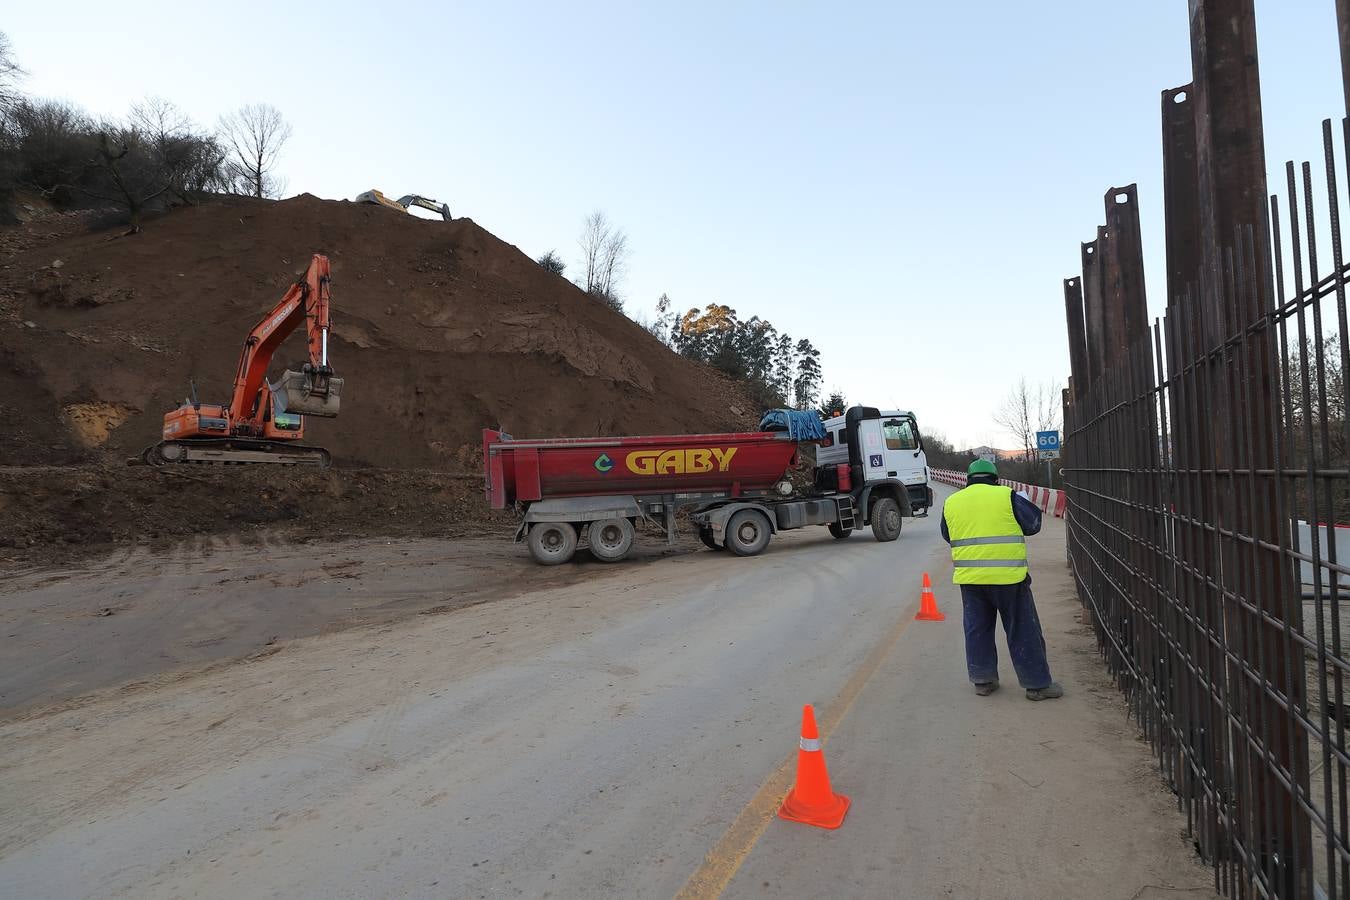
x=1181, y=191
x=1124, y=273
x=1230, y=149
x=1113, y=295
x=1190, y=440
x=1073, y=315
x=1094, y=309
x=1127, y=317
x=1231, y=176
x=1343, y=26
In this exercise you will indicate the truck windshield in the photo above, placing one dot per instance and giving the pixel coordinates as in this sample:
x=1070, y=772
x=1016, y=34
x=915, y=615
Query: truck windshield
x=900, y=434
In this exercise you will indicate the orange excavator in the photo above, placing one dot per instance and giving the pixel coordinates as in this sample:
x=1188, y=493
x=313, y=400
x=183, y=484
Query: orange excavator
x=264, y=422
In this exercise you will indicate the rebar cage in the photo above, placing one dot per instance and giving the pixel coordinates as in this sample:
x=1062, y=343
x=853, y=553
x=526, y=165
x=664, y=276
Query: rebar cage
x=1207, y=462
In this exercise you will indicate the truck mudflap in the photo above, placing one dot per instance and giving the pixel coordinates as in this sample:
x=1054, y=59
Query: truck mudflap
x=578, y=509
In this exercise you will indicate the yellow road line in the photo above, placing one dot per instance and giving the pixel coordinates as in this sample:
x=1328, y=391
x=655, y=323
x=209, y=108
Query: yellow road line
x=726, y=857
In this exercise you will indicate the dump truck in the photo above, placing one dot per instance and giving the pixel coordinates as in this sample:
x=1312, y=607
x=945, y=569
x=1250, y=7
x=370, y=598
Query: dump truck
x=735, y=486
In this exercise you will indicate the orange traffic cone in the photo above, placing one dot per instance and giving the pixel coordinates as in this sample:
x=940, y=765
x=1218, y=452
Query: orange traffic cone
x=811, y=801
x=928, y=611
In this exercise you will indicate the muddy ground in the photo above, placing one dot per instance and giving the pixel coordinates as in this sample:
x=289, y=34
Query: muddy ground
x=142, y=617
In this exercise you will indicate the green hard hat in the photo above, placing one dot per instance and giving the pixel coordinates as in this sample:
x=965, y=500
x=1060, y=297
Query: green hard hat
x=982, y=467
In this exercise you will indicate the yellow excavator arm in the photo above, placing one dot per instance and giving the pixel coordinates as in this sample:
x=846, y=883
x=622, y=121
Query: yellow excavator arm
x=374, y=196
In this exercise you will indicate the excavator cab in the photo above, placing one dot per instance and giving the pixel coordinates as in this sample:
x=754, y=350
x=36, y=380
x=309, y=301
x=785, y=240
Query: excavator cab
x=287, y=421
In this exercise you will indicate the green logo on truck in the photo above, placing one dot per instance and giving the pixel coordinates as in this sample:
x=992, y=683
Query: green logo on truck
x=603, y=463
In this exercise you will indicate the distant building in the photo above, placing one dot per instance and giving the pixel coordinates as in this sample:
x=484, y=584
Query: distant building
x=995, y=455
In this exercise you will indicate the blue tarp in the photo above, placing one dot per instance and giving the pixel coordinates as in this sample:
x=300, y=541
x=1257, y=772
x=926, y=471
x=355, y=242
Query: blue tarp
x=800, y=424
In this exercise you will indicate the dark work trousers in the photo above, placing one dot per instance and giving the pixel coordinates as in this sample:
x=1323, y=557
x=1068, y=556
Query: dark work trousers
x=984, y=604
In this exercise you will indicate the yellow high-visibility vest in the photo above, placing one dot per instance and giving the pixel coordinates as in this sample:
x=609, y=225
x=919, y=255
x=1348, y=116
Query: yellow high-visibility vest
x=988, y=546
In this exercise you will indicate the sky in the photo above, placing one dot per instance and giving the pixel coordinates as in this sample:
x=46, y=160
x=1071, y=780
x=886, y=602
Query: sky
x=905, y=184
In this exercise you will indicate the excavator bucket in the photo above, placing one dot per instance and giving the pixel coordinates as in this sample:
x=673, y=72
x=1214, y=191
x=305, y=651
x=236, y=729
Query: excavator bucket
x=307, y=393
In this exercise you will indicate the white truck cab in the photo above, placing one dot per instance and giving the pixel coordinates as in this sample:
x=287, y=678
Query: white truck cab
x=889, y=449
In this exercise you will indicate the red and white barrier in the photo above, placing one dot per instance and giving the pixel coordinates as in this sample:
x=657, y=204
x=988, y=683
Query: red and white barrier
x=1047, y=500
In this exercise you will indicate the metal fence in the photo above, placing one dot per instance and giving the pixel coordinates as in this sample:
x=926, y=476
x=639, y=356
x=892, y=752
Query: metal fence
x=1209, y=533
x=1208, y=473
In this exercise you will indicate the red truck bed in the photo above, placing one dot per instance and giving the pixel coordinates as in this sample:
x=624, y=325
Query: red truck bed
x=528, y=470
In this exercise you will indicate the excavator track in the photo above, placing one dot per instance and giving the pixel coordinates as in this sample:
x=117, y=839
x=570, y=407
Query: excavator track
x=233, y=451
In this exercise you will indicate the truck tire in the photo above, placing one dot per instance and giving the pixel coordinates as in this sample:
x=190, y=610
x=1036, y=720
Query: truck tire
x=748, y=533
x=610, y=539
x=839, y=532
x=552, y=543
x=886, y=519
x=706, y=536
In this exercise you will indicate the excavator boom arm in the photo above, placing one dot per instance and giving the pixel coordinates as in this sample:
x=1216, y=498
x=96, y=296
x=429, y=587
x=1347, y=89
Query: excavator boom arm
x=407, y=200
x=425, y=203
x=306, y=301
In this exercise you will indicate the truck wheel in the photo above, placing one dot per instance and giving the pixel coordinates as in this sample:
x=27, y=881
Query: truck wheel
x=706, y=536
x=839, y=532
x=610, y=539
x=748, y=532
x=552, y=543
x=886, y=519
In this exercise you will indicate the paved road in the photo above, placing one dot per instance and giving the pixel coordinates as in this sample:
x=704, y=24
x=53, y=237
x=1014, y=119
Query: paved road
x=610, y=739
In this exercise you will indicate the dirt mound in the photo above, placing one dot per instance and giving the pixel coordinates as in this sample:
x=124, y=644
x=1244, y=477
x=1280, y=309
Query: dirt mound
x=52, y=513
x=440, y=329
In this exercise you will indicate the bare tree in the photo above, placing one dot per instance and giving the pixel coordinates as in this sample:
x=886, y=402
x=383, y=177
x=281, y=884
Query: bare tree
x=255, y=135
x=594, y=233
x=11, y=138
x=189, y=163
x=604, y=256
x=1027, y=410
x=10, y=75
x=47, y=149
x=613, y=262
x=1015, y=414
x=159, y=119
x=133, y=182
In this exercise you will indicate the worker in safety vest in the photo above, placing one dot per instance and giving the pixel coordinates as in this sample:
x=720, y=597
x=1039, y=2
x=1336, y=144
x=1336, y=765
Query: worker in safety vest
x=987, y=525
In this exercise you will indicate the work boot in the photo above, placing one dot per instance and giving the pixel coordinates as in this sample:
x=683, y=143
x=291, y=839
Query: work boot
x=1052, y=691
x=985, y=688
